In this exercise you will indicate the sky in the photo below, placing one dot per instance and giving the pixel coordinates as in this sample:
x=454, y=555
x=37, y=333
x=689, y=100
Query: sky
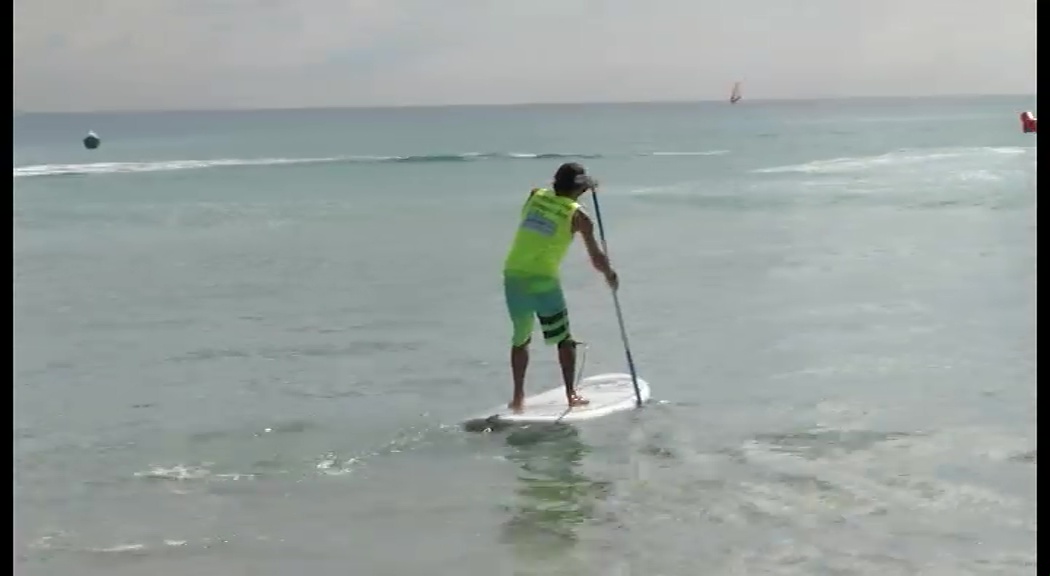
x=77, y=55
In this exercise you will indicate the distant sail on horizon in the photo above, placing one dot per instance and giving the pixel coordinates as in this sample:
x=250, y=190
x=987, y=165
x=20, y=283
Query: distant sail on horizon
x=735, y=96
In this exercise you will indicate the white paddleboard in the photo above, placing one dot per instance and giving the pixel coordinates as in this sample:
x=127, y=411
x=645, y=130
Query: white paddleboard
x=608, y=393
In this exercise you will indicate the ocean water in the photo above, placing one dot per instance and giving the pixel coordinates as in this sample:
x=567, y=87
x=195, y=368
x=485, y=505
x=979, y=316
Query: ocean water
x=245, y=341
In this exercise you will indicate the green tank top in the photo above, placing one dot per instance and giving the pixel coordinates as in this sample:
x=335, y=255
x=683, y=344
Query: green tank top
x=543, y=237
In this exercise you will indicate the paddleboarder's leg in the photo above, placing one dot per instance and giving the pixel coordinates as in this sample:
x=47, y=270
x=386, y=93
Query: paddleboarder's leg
x=554, y=322
x=567, y=359
x=519, y=361
x=522, y=311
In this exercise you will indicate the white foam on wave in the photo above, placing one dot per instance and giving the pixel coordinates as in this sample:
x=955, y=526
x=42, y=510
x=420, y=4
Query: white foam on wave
x=120, y=548
x=161, y=166
x=666, y=189
x=701, y=153
x=181, y=472
x=97, y=168
x=897, y=158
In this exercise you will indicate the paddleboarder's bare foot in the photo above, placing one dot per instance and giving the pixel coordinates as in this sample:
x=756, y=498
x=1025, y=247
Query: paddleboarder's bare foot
x=517, y=405
x=577, y=400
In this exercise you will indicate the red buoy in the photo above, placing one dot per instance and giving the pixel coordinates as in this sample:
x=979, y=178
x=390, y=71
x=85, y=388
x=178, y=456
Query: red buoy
x=1027, y=122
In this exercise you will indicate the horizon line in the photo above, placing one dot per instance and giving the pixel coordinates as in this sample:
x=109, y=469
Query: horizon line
x=18, y=111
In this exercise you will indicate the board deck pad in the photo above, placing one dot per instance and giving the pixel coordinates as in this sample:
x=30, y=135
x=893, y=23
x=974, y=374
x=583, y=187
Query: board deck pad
x=608, y=393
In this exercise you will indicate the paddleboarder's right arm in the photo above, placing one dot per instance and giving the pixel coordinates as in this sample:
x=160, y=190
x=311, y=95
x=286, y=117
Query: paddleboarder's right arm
x=581, y=223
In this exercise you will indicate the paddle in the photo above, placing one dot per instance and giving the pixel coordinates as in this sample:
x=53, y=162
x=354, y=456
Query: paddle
x=616, y=302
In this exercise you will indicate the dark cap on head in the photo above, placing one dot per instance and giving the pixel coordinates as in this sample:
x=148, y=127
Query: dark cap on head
x=571, y=176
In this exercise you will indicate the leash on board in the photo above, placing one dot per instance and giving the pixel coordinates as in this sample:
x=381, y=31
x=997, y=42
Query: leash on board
x=583, y=360
x=579, y=375
x=616, y=302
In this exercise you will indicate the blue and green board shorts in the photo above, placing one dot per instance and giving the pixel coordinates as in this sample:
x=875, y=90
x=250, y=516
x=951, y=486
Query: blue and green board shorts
x=531, y=297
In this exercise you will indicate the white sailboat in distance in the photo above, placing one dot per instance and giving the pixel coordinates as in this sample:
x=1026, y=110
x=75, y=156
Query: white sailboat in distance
x=735, y=96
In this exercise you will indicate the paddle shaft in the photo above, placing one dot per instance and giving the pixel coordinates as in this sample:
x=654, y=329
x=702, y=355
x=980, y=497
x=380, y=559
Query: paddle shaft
x=616, y=303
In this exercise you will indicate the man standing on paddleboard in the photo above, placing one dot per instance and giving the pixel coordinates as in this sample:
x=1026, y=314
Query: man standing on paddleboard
x=531, y=282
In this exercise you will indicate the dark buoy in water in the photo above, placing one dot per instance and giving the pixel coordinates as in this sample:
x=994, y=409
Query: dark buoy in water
x=91, y=141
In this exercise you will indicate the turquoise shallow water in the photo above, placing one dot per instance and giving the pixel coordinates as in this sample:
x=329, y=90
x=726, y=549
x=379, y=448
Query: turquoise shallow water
x=244, y=341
